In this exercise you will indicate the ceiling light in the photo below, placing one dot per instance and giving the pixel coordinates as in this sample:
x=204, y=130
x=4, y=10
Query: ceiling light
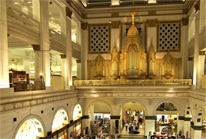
x=16, y=3
x=152, y=1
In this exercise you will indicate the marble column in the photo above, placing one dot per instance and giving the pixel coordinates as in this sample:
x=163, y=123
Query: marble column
x=149, y=125
x=92, y=113
x=38, y=62
x=84, y=50
x=196, y=132
x=4, y=68
x=201, y=68
x=78, y=69
x=68, y=47
x=180, y=124
x=151, y=30
x=26, y=64
x=187, y=127
x=44, y=41
x=184, y=52
x=196, y=51
x=113, y=120
x=115, y=35
x=63, y=67
x=36, y=9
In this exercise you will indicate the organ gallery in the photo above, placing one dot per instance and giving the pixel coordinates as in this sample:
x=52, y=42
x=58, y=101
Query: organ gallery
x=133, y=62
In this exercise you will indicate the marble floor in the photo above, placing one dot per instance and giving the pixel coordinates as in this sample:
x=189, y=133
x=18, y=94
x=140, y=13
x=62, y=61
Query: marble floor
x=125, y=134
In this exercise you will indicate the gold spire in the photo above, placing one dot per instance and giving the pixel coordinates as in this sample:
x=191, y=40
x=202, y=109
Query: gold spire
x=132, y=30
x=133, y=14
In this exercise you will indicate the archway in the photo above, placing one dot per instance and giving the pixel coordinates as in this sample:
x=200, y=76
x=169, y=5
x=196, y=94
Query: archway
x=77, y=114
x=60, y=120
x=132, y=118
x=167, y=118
x=99, y=117
x=31, y=128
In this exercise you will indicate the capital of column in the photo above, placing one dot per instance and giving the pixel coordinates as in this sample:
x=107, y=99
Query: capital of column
x=150, y=117
x=115, y=117
x=36, y=47
x=63, y=56
x=152, y=22
x=84, y=25
x=185, y=21
x=68, y=12
x=115, y=24
x=197, y=6
x=78, y=61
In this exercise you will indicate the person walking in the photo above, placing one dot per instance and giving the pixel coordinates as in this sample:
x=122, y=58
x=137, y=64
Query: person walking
x=126, y=125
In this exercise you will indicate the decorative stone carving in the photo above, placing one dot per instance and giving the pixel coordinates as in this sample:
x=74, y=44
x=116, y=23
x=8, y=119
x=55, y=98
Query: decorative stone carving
x=185, y=21
x=151, y=22
x=115, y=24
x=84, y=25
x=152, y=12
x=115, y=14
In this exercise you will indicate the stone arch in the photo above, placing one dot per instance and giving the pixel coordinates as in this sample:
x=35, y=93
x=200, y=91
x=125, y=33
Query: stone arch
x=95, y=101
x=133, y=100
x=59, y=108
x=198, y=116
x=168, y=101
x=33, y=116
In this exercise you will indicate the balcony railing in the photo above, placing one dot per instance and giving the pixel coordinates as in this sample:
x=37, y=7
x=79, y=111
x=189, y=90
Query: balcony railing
x=175, y=82
x=22, y=17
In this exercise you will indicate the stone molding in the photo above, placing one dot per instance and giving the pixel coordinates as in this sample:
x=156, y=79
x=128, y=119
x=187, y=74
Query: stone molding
x=115, y=24
x=152, y=22
x=114, y=14
x=153, y=12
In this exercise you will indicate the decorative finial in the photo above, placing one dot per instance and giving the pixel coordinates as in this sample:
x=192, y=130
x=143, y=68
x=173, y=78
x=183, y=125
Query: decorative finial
x=133, y=14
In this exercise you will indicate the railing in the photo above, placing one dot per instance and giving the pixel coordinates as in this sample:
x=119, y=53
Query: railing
x=22, y=17
x=175, y=82
x=39, y=85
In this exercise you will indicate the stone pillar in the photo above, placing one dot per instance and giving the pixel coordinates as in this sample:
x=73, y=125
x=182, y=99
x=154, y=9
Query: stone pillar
x=187, y=127
x=36, y=9
x=68, y=47
x=63, y=67
x=26, y=64
x=180, y=124
x=38, y=62
x=4, y=68
x=149, y=125
x=78, y=69
x=86, y=123
x=63, y=21
x=44, y=41
x=200, y=68
x=84, y=50
x=151, y=30
x=92, y=113
x=113, y=127
x=184, y=52
x=196, y=132
x=115, y=35
x=196, y=51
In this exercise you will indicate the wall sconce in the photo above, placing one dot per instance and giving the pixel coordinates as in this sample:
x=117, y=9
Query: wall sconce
x=41, y=76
